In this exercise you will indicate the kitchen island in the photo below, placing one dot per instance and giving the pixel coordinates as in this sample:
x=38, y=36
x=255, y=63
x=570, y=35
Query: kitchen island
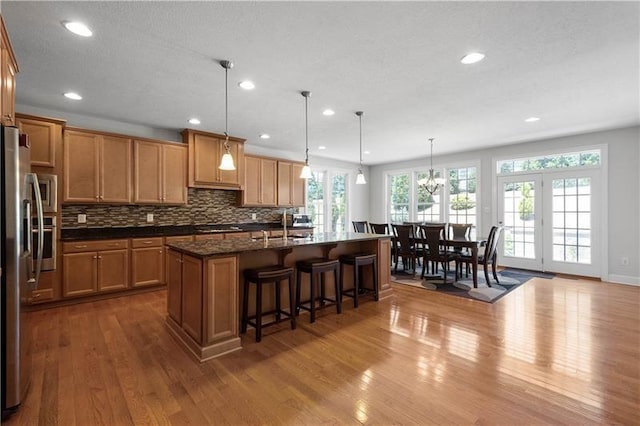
x=204, y=281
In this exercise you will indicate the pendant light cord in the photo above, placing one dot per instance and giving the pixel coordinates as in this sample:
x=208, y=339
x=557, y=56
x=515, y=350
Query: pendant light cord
x=306, y=130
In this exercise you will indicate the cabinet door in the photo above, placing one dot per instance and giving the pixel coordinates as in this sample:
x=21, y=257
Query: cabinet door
x=148, y=172
x=220, y=299
x=8, y=89
x=174, y=285
x=174, y=170
x=298, y=186
x=205, y=157
x=252, y=187
x=44, y=137
x=113, y=270
x=79, y=274
x=81, y=168
x=115, y=170
x=284, y=183
x=192, y=297
x=268, y=182
x=147, y=266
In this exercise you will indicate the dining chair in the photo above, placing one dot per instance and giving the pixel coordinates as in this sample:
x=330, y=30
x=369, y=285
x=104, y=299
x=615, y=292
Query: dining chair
x=460, y=230
x=405, y=249
x=379, y=228
x=361, y=226
x=436, y=250
x=489, y=257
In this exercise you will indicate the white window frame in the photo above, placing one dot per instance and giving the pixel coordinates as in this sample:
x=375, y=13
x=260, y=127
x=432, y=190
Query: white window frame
x=329, y=174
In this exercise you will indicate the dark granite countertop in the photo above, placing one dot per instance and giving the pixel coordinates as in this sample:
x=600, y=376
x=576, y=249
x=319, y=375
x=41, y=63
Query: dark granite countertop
x=75, y=234
x=206, y=248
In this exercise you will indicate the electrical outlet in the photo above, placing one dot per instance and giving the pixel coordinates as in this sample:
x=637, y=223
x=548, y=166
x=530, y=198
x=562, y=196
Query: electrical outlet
x=149, y=217
x=82, y=218
x=253, y=216
x=625, y=261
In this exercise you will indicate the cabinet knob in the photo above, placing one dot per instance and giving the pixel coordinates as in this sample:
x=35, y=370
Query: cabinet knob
x=95, y=257
x=160, y=251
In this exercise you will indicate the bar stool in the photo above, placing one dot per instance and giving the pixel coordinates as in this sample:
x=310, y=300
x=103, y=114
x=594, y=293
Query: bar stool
x=315, y=268
x=270, y=274
x=358, y=261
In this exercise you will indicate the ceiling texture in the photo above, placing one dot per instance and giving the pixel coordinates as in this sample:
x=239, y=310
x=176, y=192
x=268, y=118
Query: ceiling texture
x=575, y=65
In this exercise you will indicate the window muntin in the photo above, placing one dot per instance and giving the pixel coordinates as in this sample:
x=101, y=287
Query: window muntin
x=550, y=161
x=462, y=206
x=428, y=205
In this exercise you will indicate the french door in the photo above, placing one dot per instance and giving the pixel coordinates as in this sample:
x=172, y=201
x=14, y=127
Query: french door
x=551, y=221
x=520, y=213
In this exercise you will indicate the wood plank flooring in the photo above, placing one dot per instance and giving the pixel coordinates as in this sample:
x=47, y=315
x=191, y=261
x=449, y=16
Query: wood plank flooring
x=558, y=351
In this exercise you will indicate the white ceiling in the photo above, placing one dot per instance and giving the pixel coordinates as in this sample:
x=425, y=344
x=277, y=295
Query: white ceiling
x=573, y=64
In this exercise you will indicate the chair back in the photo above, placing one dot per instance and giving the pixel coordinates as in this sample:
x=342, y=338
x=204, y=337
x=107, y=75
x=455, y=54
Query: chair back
x=404, y=236
x=491, y=250
x=379, y=228
x=432, y=238
x=361, y=226
x=460, y=230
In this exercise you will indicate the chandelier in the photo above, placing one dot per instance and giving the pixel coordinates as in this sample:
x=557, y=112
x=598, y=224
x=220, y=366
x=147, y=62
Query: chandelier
x=431, y=184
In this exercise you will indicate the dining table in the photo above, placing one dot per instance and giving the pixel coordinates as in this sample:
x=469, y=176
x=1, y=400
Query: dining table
x=470, y=243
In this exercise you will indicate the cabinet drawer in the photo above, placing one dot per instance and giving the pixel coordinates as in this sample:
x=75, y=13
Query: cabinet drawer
x=178, y=239
x=146, y=242
x=209, y=237
x=84, y=246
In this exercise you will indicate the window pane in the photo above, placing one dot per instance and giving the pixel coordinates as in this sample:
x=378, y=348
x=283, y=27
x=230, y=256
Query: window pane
x=554, y=161
x=338, y=203
x=462, y=187
x=399, y=198
x=315, y=200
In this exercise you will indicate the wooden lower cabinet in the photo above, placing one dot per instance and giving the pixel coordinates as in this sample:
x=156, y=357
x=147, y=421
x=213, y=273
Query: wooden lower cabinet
x=203, y=303
x=147, y=262
x=90, y=267
x=174, y=285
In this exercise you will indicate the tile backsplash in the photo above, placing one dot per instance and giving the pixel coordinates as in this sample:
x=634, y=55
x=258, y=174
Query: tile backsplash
x=205, y=206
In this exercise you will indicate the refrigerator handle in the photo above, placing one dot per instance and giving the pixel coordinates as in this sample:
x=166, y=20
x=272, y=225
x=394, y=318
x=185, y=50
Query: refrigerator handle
x=40, y=215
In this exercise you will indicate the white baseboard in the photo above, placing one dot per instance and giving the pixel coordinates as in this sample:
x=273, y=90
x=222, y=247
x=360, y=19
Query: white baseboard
x=624, y=279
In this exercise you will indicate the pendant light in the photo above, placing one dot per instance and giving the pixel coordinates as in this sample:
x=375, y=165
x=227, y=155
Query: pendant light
x=226, y=162
x=431, y=184
x=306, y=170
x=360, y=180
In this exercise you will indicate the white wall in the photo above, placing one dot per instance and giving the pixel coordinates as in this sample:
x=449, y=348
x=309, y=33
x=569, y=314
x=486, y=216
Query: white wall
x=623, y=225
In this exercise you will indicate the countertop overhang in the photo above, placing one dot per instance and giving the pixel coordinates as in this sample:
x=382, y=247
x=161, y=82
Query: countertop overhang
x=207, y=248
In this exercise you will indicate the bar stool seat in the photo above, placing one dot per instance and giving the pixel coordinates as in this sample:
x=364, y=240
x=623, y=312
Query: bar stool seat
x=270, y=274
x=359, y=260
x=317, y=268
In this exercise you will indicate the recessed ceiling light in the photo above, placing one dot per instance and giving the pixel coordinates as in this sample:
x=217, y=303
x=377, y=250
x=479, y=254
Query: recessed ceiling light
x=72, y=95
x=321, y=147
x=194, y=121
x=328, y=112
x=264, y=136
x=247, y=85
x=78, y=28
x=367, y=152
x=472, y=58
x=532, y=119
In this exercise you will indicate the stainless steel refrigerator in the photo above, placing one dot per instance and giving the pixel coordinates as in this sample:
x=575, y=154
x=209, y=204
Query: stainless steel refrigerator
x=19, y=202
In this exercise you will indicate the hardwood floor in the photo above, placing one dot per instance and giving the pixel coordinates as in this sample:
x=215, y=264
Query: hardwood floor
x=555, y=351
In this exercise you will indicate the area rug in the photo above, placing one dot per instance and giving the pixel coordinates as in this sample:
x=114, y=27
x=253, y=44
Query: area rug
x=510, y=279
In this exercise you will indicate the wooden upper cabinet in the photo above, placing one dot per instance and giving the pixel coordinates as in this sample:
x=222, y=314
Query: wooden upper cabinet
x=260, y=181
x=115, y=170
x=8, y=71
x=291, y=188
x=44, y=135
x=205, y=152
x=97, y=168
x=160, y=173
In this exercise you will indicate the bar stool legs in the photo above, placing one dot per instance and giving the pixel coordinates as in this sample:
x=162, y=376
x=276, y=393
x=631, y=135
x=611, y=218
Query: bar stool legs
x=259, y=277
x=358, y=261
x=317, y=268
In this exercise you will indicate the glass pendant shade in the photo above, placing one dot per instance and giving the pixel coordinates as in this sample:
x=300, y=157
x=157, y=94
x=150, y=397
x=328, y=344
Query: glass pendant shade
x=360, y=180
x=306, y=172
x=226, y=162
